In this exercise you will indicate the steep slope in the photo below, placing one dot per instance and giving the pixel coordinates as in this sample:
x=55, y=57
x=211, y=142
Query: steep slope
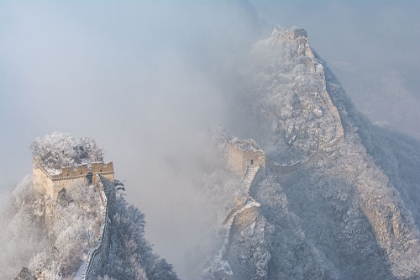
x=288, y=100
x=87, y=231
x=339, y=196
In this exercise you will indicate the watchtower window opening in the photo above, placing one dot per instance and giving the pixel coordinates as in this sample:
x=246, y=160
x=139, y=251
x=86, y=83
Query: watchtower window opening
x=252, y=161
x=89, y=178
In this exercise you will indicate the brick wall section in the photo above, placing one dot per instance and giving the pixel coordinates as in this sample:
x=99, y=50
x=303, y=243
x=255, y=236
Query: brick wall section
x=41, y=180
x=253, y=158
x=238, y=159
x=50, y=185
x=235, y=157
x=244, y=219
x=83, y=170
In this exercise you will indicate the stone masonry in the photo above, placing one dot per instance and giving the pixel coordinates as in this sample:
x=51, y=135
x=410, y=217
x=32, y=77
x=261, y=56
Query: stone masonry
x=50, y=184
x=243, y=154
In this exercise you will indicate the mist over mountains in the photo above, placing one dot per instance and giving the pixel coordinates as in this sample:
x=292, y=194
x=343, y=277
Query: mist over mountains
x=334, y=200
x=369, y=47
x=148, y=81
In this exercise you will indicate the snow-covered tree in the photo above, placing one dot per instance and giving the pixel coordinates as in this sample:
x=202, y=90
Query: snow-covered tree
x=62, y=149
x=131, y=255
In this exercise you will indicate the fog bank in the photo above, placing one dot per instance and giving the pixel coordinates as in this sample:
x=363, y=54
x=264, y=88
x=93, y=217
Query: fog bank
x=147, y=79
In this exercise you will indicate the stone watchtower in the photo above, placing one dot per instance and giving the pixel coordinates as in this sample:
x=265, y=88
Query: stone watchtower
x=243, y=154
x=50, y=182
x=289, y=35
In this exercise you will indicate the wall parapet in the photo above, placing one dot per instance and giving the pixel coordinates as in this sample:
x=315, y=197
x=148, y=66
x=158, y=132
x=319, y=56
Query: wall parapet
x=77, y=171
x=95, y=253
x=52, y=181
x=84, y=169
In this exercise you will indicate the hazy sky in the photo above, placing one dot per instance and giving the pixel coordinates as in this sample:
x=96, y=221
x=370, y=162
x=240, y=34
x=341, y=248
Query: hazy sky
x=372, y=46
x=352, y=30
x=146, y=79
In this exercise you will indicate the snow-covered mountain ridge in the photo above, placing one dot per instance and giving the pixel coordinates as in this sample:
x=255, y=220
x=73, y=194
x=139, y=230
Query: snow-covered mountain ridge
x=339, y=197
x=79, y=226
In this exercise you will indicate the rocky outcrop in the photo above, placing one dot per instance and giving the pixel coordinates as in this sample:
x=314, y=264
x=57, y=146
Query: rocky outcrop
x=289, y=104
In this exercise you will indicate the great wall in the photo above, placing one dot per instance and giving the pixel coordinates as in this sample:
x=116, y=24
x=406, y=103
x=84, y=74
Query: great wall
x=245, y=158
x=246, y=213
x=99, y=174
x=50, y=183
x=89, y=269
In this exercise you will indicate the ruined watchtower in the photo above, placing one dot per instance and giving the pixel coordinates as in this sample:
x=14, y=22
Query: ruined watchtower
x=243, y=154
x=50, y=182
x=281, y=34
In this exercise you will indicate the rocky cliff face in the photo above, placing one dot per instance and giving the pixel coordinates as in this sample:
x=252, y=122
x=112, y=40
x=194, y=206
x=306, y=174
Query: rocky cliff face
x=288, y=99
x=348, y=209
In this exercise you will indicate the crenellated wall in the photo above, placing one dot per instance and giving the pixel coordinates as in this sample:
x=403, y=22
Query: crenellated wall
x=51, y=184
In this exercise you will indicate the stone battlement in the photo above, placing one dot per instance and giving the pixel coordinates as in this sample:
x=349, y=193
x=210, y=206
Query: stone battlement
x=50, y=183
x=84, y=169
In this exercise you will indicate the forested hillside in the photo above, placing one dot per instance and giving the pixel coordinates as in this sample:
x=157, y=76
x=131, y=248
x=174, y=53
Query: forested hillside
x=53, y=238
